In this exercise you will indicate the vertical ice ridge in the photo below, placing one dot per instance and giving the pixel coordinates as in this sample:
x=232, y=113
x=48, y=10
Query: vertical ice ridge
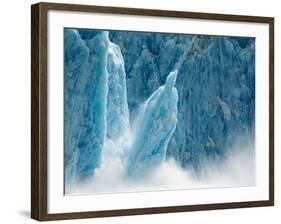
x=86, y=87
x=94, y=122
x=96, y=98
x=117, y=105
x=156, y=126
x=75, y=59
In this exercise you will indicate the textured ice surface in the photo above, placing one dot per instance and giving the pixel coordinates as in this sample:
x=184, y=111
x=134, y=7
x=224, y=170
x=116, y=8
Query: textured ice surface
x=85, y=104
x=157, y=123
x=216, y=88
x=117, y=105
x=116, y=79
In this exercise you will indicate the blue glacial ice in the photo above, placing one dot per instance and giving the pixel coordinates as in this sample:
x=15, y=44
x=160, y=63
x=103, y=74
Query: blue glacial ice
x=96, y=82
x=155, y=127
x=114, y=78
x=216, y=88
x=85, y=107
x=117, y=107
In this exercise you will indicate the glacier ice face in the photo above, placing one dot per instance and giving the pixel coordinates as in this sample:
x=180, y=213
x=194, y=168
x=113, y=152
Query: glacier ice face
x=76, y=55
x=86, y=89
x=111, y=77
x=117, y=107
x=155, y=127
x=216, y=88
x=96, y=108
x=96, y=98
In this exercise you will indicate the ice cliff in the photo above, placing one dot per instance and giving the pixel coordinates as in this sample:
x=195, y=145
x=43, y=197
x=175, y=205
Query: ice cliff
x=95, y=98
x=85, y=108
x=193, y=114
x=96, y=109
x=216, y=88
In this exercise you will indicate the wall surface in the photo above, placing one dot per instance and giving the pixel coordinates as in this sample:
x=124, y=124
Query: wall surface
x=15, y=112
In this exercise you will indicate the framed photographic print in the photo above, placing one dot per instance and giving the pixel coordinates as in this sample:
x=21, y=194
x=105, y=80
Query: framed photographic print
x=139, y=111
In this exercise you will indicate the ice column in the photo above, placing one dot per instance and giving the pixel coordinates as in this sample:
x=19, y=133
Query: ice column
x=156, y=126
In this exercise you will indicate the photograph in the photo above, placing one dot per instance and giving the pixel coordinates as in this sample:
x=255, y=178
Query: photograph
x=153, y=111
x=145, y=111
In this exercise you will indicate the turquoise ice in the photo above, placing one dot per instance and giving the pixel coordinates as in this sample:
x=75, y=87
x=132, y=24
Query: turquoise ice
x=117, y=117
x=191, y=114
x=215, y=84
x=85, y=105
x=97, y=109
x=155, y=127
